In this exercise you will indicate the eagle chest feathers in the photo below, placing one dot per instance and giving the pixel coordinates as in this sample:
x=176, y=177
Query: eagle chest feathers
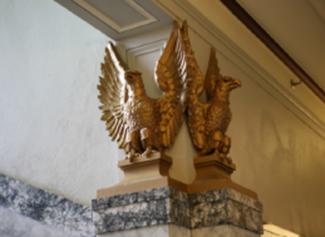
x=141, y=113
x=218, y=117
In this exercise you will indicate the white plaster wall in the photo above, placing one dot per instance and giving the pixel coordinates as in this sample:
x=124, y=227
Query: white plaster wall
x=50, y=130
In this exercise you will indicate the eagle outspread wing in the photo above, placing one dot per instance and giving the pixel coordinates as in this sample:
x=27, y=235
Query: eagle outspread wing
x=142, y=125
x=168, y=74
x=113, y=95
x=194, y=82
x=212, y=75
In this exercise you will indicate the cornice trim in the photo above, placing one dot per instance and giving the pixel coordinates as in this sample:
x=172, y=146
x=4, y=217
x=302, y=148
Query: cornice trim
x=107, y=20
x=274, y=46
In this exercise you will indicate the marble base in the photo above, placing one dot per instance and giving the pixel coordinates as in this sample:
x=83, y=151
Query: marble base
x=152, y=207
x=166, y=206
x=28, y=211
x=225, y=206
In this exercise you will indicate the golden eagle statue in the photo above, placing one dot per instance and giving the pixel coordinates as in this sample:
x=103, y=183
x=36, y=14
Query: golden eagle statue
x=141, y=125
x=207, y=120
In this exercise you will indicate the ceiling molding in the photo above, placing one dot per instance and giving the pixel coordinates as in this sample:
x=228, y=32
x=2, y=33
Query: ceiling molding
x=269, y=42
x=319, y=8
x=109, y=21
x=147, y=16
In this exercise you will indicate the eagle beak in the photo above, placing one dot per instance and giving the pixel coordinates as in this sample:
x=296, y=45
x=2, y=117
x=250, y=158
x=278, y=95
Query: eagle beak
x=236, y=83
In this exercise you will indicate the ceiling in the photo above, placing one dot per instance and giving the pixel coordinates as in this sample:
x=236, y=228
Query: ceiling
x=119, y=18
x=299, y=28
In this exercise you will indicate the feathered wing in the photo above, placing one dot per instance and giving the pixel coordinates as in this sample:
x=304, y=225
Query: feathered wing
x=212, y=75
x=167, y=74
x=113, y=95
x=194, y=81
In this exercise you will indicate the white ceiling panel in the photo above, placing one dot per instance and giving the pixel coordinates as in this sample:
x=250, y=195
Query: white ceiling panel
x=119, y=18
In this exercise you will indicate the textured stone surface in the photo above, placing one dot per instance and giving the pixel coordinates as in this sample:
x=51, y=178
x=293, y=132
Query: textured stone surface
x=176, y=211
x=168, y=206
x=16, y=225
x=141, y=209
x=131, y=198
x=225, y=206
x=44, y=207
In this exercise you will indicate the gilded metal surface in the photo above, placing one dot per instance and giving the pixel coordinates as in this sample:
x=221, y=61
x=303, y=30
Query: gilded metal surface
x=141, y=125
x=207, y=120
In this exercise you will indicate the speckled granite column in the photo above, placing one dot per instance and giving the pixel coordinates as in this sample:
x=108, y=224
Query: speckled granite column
x=155, y=207
x=225, y=207
x=169, y=212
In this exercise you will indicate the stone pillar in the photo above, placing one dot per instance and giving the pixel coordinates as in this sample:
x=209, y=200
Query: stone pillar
x=170, y=212
x=149, y=203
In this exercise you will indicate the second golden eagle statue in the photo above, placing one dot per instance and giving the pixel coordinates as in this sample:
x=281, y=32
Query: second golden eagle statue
x=207, y=120
x=141, y=125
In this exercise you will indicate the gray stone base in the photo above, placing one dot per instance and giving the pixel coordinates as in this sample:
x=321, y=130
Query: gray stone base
x=225, y=210
x=28, y=211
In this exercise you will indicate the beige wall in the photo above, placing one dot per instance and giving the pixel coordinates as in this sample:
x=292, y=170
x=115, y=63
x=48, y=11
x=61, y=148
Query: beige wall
x=277, y=154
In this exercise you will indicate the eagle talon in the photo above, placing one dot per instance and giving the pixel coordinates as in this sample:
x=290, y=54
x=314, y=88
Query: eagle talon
x=132, y=156
x=149, y=153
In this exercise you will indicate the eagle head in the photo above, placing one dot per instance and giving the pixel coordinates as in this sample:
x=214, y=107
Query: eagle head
x=223, y=87
x=132, y=76
x=228, y=83
x=134, y=81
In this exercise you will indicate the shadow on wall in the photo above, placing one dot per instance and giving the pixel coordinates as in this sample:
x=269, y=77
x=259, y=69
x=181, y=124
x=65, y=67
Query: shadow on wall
x=286, y=170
